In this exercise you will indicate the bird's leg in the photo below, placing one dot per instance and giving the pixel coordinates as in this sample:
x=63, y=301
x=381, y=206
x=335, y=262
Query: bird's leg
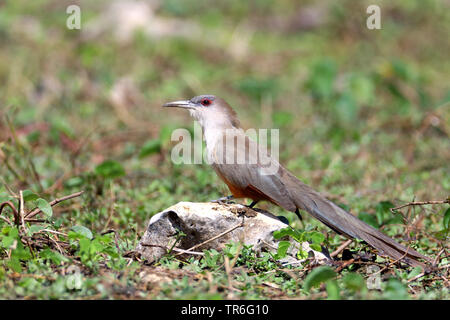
x=224, y=200
x=298, y=214
x=254, y=202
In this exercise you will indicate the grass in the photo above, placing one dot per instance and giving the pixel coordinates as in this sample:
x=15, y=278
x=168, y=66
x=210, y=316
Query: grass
x=363, y=117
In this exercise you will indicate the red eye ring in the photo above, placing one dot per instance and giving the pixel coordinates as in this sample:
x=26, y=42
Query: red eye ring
x=206, y=102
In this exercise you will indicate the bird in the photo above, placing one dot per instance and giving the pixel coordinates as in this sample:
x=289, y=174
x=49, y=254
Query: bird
x=251, y=172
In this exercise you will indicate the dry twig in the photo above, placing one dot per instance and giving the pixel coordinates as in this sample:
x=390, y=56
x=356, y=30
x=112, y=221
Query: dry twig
x=421, y=203
x=180, y=251
x=341, y=247
x=36, y=211
x=216, y=237
x=13, y=208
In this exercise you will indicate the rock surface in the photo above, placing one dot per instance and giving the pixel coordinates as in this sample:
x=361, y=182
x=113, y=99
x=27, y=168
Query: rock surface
x=223, y=223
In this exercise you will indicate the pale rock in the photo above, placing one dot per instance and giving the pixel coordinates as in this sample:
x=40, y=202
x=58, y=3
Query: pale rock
x=203, y=221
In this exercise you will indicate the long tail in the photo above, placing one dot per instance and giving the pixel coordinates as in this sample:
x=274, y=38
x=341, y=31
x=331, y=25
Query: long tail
x=343, y=222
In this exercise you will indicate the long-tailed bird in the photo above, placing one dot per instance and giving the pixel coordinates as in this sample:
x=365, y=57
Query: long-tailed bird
x=251, y=172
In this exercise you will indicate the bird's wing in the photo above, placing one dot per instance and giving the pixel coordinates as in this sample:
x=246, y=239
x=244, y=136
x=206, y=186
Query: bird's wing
x=246, y=168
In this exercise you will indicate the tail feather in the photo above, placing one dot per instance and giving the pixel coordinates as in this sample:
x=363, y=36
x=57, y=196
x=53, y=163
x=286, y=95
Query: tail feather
x=345, y=223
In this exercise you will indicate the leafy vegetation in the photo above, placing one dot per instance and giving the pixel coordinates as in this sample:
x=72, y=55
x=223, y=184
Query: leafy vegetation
x=364, y=117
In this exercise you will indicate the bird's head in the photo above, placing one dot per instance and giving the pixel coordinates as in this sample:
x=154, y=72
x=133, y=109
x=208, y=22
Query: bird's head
x=208, y=110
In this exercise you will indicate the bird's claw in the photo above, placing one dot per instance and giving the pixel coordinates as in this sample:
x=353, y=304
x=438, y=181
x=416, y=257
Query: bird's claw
x=224, y=200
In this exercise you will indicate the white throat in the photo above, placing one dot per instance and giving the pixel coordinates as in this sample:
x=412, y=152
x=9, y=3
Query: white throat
x=214, y=126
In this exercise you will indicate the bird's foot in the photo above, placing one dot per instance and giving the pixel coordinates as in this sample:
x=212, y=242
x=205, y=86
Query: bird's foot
x=298, y=214
x=283, y=219
x=251, y=205
x=224, y=200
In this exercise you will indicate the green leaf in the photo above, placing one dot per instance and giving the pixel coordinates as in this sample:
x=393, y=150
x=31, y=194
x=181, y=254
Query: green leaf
x=14, y=264
x=383, y=211
x=318, y=276
x=35, y=228
x=110, y=169
x=354, y=282
x=21, y=252
x=446, y=220
x=150, y=147
x=81, y=230
x=317, y=237
x=13, y=233
x=415, y=272
x=294, y=234
x=96, y=246
x=395, y=290
x=278, y=234
x=333, y=290
x=283, y=247
x=7, y=242
x=85, y=245
x=232, y=249
x=45, y=207
x=54, y=256
x=302, y=254
x=369, y=219
x=211, y=257
x=29, y=195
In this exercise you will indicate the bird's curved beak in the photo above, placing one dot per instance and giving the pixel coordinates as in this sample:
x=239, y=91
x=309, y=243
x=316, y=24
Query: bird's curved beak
x=181, y=104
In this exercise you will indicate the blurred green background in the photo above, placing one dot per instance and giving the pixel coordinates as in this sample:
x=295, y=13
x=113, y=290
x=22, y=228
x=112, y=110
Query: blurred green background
x=354, y=106
x=364, y=115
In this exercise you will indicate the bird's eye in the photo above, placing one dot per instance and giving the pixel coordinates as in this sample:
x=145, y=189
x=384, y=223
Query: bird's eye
x=206, y=102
